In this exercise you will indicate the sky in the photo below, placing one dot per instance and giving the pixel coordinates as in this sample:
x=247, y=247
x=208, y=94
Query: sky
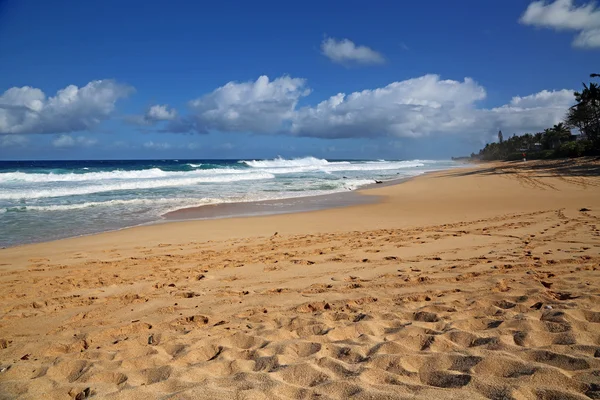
x=335, y=79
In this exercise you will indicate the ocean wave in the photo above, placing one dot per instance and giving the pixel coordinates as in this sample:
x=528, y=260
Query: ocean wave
x=173, y=202
x=163, y=205
x=365, y=167
x=296, y=162
x=151, y=173
x=128, y=185
x=354, y=184
x=312, y=164
x=194, y=165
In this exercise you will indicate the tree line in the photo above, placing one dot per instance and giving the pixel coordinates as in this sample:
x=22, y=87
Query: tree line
x=557, y=141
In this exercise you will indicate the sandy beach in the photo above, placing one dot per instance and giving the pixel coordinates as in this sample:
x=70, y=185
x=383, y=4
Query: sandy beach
x=478, y=283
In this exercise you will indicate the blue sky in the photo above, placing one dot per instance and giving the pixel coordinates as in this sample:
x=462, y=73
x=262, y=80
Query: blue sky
x=183, y=79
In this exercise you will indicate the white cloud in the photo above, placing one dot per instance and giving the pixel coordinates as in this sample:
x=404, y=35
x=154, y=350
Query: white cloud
x=67, y=141
x=13, y=140
x=528, y=114
x=588, y=39
x=27, y=110
x=413, y=107
x=428, y=105
x=261, y=106
x=345, y=51
x=155, y=113
x=410, y=108
x=564, y=15
x=157, y=146
x=161, y=113
x=544, y=98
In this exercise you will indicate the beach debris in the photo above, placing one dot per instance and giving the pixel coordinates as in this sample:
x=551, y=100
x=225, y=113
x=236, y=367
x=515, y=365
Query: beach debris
x=4, y=369
x=151, y=339
x=584, y=209
x=25, y=357
x=548, y=307
x=200, y=277
x=275, y=234
x=376, y=181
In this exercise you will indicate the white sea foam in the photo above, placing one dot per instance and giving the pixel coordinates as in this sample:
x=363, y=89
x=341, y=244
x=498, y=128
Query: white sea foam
x=8, y=177
x=177, y=202
x=296, y=162
x=312, y=164
x=276, y=166
x=109, y=186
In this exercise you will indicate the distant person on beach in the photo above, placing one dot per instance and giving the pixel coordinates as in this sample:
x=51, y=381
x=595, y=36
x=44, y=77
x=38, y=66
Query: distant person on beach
x=524, y=157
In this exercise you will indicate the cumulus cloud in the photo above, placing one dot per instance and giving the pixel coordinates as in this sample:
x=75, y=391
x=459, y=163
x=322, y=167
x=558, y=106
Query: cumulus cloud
x=411, y=108
x=545, y=98
x=68, y=141
x=27, y=110
x=564, y=15
x=13, y=141
x=345, y=51
x=588, y=39
x=531, y=113
x=154, y=114
x=161, y=113
x=427, y=105
x=261, y=106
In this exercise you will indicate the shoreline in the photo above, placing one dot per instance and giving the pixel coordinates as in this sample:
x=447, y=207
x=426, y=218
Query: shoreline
x=291, y=205
x=252, y=209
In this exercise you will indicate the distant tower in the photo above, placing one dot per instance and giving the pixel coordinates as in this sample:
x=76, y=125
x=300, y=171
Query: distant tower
x=500, y=137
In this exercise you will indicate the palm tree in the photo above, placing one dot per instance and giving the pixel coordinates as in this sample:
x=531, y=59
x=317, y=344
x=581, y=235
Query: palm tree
x=585, y=115
x=562, y=133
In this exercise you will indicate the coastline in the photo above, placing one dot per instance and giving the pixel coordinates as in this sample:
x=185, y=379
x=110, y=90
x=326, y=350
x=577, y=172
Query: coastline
x=459, y=283
x=253, y=209
x=87, y=197
x=283, y=206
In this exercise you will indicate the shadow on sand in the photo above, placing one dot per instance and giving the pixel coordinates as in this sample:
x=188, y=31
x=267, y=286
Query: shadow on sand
x=585, y=166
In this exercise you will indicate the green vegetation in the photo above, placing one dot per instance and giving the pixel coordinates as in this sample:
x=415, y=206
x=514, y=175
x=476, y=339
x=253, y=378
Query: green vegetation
x=557, y=141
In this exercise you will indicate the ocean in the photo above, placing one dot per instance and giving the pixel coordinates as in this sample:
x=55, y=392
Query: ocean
x=46, y=200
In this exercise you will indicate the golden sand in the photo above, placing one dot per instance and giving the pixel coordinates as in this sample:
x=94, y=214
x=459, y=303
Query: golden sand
x=474, y=283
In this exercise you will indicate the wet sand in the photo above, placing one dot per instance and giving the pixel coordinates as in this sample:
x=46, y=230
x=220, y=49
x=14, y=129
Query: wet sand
x=270, y=207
